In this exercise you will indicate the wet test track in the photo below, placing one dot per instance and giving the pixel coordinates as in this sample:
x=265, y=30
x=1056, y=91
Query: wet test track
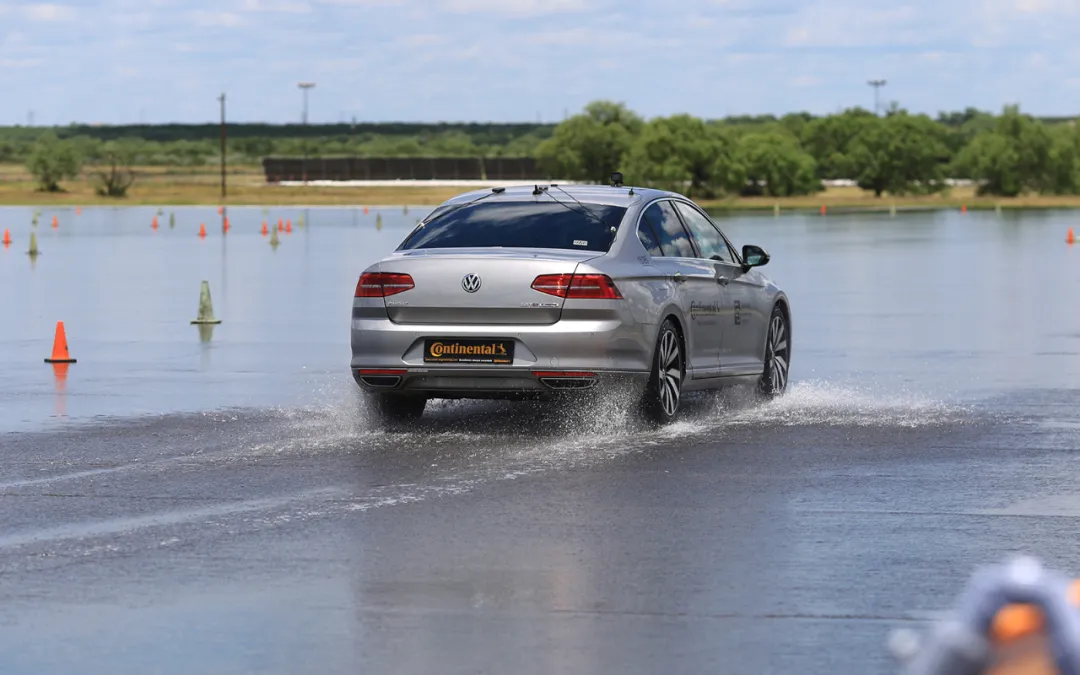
x=788, y=537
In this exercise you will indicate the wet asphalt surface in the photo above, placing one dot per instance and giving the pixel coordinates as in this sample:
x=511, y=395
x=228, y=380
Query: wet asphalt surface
x=789, y=537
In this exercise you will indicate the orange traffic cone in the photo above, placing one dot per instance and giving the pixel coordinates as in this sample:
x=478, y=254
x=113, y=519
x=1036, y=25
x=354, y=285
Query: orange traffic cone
x=823, y=209
x=225, y=224
x=963, y=208
x=280, y=225
x=55, y=222
x=60, y=348
x=264, y=229
x=220, y=210
x=202, y=230
x=365, y=210
x=7, y=238
x=288, y=227
x=153, y=223
x=78, y=210
x=1069, y=238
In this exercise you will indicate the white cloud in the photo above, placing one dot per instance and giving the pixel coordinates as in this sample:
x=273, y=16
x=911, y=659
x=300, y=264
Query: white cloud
x=845, y=23
x=517, y=8
x=214, y=19
x=47, y=11
x=423, y=40
x=1047, y=6
x=18, y=64
x=278, y=6
x=364, y=3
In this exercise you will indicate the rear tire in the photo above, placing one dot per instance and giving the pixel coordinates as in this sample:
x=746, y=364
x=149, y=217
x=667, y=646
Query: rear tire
x=395, y=412
x=663, y=392
x=774, y=378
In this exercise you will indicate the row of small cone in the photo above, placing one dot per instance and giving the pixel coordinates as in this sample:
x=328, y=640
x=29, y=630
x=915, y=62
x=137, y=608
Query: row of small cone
x=61, y=354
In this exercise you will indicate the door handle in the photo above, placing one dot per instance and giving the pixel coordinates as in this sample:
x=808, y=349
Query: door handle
x=723, y=281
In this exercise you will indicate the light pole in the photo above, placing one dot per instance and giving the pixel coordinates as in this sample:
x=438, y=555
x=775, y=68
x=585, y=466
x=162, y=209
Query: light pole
x=304, y=87
x=876, y=84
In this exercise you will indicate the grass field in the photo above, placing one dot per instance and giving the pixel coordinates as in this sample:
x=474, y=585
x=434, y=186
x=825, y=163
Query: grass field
x=246, y=186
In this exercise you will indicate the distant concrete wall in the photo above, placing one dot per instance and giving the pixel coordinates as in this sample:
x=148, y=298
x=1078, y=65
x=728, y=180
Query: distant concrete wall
x=279, y=169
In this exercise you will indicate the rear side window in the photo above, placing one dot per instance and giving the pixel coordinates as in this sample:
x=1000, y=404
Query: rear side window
x=674, y=241
x=648, y=238
x=543, y=224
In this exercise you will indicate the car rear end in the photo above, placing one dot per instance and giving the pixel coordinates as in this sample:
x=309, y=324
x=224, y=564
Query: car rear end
x=507, y=299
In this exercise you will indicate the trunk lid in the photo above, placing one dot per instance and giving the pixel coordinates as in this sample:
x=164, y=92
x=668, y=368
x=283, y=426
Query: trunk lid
x=504, y=296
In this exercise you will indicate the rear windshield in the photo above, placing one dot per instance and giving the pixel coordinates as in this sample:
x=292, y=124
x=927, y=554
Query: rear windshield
x=543, y=224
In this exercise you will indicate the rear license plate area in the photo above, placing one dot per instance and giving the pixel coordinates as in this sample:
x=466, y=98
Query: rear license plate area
x=491, y=351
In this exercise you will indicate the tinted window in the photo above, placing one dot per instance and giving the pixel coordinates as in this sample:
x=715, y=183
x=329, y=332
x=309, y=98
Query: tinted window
x=520, y=225
x=666, y=225
x=709, y=241
x=648, y=238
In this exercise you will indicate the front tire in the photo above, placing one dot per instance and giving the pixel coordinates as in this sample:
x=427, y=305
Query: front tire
x=663, y=392
x=774, y=378
x=395, y=412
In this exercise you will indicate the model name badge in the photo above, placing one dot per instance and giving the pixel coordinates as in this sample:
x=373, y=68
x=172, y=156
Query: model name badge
x=396, y=303
x=540, y=304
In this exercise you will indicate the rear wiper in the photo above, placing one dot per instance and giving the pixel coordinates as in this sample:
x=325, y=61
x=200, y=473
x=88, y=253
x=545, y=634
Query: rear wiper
x=584, y=209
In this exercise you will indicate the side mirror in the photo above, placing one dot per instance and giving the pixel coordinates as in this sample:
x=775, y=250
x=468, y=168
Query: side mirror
x=754, y=256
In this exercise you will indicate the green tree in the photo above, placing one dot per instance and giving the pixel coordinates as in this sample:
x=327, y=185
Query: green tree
x=1063, y=161
x=828, y=140
x=114, y=173
x=776, y=165
x=899, y=153
x=683, y=153
x=1012, y=159
x=591, y=145
x=51, y=161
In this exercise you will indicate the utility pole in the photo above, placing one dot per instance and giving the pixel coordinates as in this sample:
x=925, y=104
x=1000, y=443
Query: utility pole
x=222, y=100
x=877, y=85
x=305, y=87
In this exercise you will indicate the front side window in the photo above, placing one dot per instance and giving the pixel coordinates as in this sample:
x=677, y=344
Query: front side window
x=526, y=224
x=674, y=241
x=708, y=239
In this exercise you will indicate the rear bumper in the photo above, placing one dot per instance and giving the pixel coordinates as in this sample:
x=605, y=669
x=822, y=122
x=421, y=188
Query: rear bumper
x=497, y=382
x=606, y=342
x=603, y=342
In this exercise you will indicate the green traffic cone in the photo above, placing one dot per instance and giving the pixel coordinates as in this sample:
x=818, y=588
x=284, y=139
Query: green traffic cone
x=274, y=241
x=378, y=222
x=172, y=220
x=206, y=308
x=33, y=252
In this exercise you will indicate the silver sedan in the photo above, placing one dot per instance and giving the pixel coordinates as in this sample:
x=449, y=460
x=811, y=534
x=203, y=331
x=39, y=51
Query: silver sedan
x=543, y=291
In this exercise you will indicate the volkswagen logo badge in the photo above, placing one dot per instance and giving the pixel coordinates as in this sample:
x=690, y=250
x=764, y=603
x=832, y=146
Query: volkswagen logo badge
x=471, y=283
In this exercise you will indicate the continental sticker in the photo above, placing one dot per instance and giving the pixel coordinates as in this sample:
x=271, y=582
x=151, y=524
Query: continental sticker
x=471, y=351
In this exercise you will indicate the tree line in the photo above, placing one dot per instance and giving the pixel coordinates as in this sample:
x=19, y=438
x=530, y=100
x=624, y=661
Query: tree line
x=895, y=153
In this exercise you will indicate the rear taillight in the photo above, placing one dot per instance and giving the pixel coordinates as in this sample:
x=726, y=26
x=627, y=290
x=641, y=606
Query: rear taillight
x=382, y=284
x=578, y=286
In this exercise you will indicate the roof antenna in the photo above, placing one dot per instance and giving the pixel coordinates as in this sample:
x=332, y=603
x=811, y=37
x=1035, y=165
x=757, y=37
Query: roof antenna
x=536, y=190
x=616, y=179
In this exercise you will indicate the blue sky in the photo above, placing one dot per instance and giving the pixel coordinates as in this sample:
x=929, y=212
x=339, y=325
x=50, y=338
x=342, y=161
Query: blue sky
x=119, y=61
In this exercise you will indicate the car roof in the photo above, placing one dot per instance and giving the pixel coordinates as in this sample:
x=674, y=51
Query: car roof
x=590, y=194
